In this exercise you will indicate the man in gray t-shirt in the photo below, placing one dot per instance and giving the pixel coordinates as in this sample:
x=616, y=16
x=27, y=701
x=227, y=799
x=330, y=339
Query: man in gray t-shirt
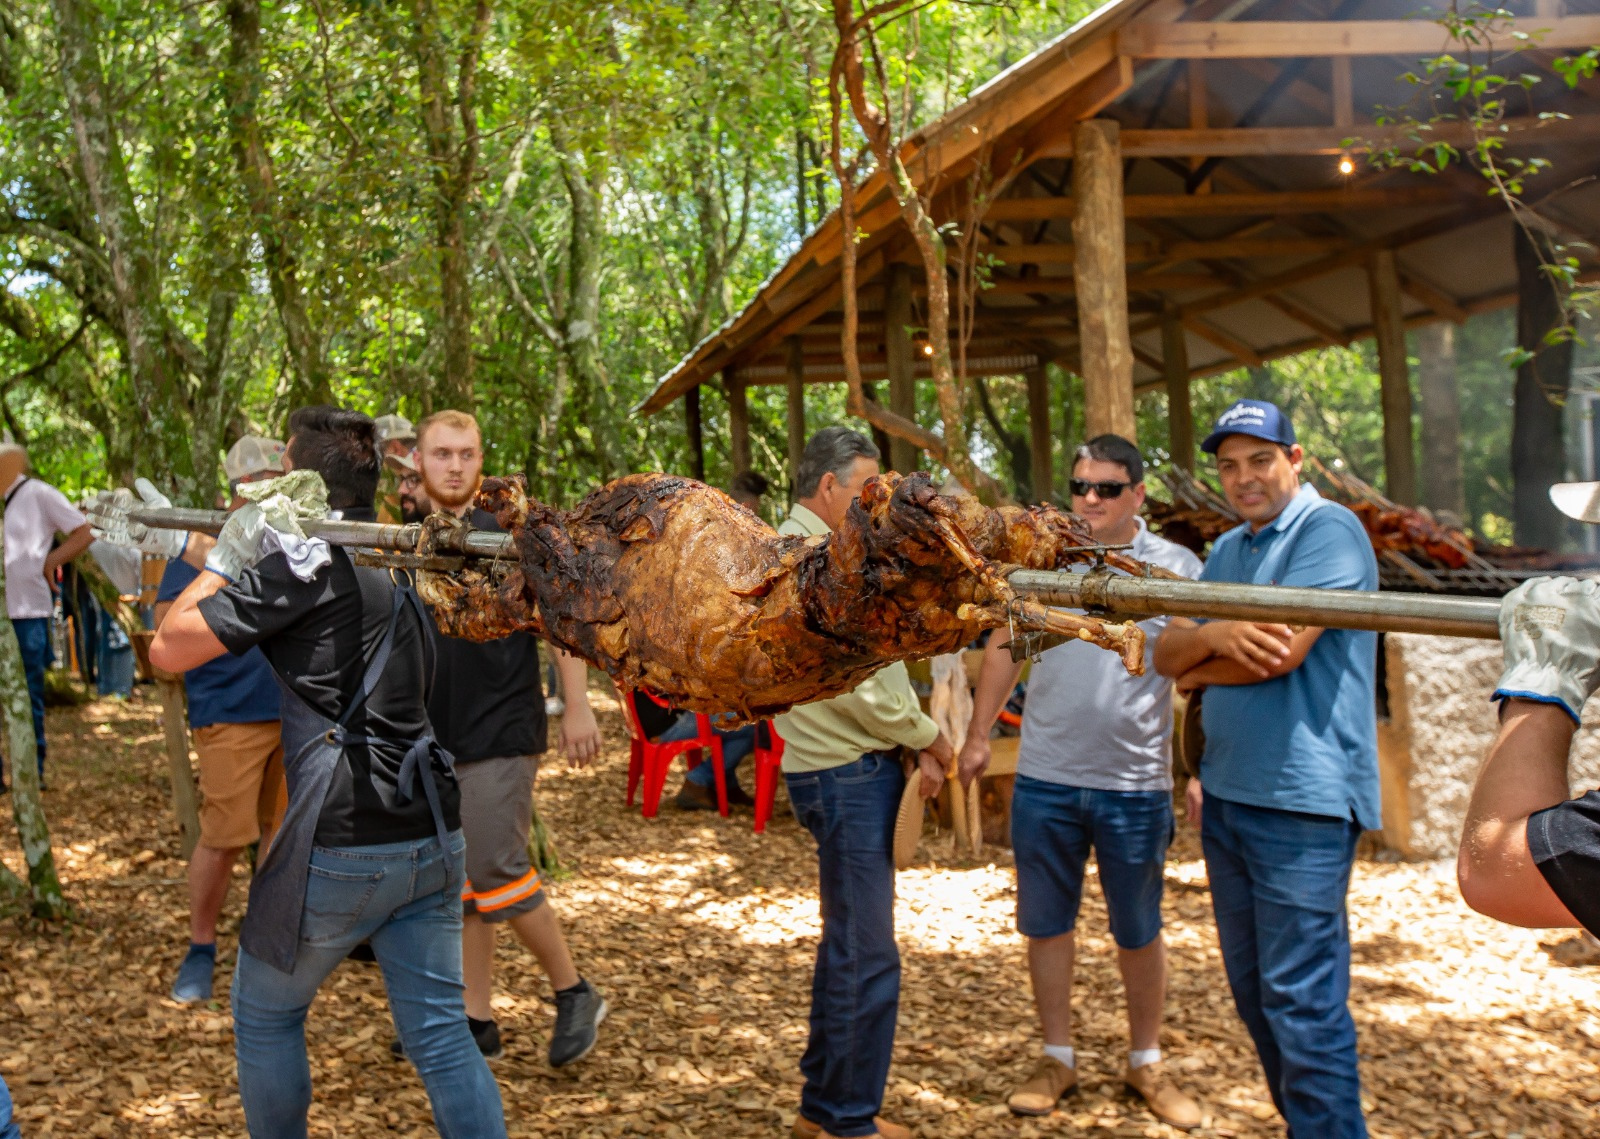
x=1094, y=771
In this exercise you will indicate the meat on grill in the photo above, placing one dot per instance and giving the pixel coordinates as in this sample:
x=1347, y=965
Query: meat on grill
x=668, y=584
x=1411, y=531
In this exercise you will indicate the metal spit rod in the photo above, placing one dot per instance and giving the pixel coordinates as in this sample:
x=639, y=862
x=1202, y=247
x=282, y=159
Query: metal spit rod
x=1099, y=591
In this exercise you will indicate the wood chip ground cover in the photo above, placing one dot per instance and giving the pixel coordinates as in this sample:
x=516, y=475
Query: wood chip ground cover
x=701, y=933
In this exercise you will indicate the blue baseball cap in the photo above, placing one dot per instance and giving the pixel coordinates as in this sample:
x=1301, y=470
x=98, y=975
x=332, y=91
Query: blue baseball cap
x=1254, y=417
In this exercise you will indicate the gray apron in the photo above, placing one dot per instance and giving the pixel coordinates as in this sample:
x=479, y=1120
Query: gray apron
x=313, y=747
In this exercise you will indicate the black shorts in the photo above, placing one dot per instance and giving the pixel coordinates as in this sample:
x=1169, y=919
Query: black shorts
x=1565, y=843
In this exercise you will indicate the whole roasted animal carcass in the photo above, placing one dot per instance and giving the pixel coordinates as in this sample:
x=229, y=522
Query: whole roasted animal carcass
x=669, y=585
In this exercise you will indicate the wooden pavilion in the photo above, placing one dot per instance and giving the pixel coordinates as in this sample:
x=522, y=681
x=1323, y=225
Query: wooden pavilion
x=1181, y=198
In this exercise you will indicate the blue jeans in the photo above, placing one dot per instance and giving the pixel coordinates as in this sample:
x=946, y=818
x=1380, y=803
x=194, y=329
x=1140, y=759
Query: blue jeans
x=736, y=744
x=1052, y=828
x=393, y=895
x=855, y=987
x=8, y=1126
x=33, y=637
x=1278, y=884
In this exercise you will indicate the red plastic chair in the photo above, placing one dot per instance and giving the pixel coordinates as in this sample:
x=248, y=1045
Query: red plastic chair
x=768, y=760
x=648, y=761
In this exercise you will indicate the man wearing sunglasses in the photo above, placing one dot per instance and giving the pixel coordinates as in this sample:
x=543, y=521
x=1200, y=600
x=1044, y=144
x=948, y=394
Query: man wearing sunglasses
x=1094, y=771
x=1290, y=769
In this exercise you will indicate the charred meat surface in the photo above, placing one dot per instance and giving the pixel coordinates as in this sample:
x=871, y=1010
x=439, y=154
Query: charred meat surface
x=668, y=584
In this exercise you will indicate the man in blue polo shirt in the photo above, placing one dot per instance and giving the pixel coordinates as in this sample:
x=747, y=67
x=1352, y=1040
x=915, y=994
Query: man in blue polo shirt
x=1290, y=770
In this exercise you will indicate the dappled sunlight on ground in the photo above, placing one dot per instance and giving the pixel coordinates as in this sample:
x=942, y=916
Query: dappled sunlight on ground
x=701, y=935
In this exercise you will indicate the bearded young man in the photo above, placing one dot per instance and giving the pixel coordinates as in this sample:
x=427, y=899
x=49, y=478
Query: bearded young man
x=487, y=708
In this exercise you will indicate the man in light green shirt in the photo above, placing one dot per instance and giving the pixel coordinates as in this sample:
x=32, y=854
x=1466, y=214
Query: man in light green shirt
x=841, y=764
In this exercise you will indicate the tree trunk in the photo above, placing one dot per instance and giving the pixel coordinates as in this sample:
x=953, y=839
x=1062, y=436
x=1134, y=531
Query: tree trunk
x=901, y=363
x=1019, y=453
x=153, y=353
x=242, y=81
x=455, y=167
x=32, y=827
x=951, y=449
x=1443, y=485
x=584, y=175
x=1538, y=444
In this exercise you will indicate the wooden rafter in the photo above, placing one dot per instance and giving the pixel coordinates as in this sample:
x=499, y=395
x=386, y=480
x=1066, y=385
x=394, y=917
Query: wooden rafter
x=1357, y=138
x=1291, y=39
x=1340, y=200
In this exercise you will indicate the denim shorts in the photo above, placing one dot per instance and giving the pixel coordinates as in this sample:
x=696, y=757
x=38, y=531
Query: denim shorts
x=1052, y=829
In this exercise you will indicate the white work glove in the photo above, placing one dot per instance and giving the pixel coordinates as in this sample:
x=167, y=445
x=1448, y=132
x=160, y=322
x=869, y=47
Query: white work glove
x=1550, y=632
x=109, y=521
x=270, y=521
x=239, y=543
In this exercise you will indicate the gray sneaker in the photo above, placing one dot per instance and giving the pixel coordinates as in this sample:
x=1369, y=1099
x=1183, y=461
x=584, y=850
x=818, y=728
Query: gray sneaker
x=579, y=1011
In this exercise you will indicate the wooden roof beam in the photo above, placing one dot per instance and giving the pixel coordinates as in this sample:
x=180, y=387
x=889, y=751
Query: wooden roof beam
x=1297, y=39
x=1357, y=138
x=1174, y=252
x=1210, y=333
x=1363, y=199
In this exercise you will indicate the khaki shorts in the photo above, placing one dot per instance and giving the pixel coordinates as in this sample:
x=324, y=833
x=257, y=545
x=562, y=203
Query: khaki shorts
x=242, y=793
x=496, y=813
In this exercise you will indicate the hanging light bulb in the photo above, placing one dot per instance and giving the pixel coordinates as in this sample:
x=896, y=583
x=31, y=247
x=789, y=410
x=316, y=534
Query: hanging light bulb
x=1347, y=165
x=927, y=349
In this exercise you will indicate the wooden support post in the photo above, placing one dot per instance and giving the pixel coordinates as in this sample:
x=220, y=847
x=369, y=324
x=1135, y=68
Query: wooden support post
x=696, y=432
x=1389, y=330
x=1040, y=436
x=1099, y=270
x=738, y=423
x=1180, y=413
x=901, y=363
x=1341, y=93
x=1443, y=486
x=797, y=406
x=185, y=799
x=1199, y=113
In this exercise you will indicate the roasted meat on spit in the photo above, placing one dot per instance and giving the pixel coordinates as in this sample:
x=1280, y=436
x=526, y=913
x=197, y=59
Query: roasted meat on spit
x=668, y=584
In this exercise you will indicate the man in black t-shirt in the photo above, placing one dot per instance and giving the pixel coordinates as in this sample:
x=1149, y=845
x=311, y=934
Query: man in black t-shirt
x=370, y=848
x=1530, y=853
x=487, y=708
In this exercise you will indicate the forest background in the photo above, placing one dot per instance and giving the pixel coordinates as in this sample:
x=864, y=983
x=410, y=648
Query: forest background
x=215, y=212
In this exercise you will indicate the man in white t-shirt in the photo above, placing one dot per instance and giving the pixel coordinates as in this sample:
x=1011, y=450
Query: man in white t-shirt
x=36, y=513
x=1094, y=771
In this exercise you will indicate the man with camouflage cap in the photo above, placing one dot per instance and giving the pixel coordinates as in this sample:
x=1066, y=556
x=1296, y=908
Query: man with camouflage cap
x=396, y=439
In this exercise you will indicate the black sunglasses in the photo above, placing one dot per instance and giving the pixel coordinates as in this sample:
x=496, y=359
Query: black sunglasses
x=1081, y=488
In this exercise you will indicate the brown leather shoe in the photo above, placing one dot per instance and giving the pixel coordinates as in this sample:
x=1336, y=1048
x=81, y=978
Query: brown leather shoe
x=1044, y=1088
x=1166, y=1102
x=804, y=1129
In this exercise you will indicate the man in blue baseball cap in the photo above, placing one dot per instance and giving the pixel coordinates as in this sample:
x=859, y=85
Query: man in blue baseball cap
x=1290, y=769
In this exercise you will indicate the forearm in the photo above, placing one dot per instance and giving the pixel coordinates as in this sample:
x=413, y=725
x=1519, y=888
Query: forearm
x=196, y=549
x=71, y=546
x=1525, y=772
x=1227, y=670
x=1218, y=671
x=996, y=678
x=574, y=673
x=184, y=640
x=1183, y=644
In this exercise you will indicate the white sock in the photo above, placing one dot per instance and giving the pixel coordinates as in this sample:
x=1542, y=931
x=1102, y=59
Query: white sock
x=1063, y=1054
x=1139, y=1057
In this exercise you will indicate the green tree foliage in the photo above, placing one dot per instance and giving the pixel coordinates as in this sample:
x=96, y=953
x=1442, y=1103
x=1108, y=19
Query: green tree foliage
x=213, y=213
